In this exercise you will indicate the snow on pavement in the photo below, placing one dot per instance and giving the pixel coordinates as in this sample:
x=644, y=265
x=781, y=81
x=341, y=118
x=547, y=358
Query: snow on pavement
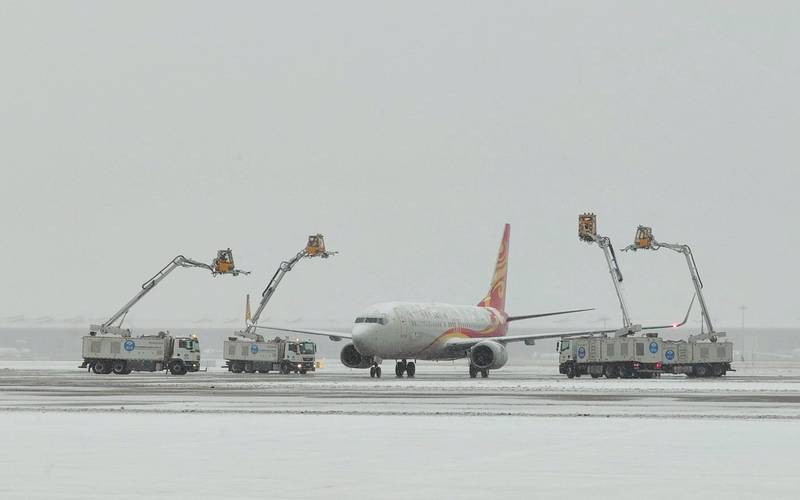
x=200, y=456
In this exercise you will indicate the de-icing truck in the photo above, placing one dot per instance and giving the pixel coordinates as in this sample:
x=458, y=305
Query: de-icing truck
x=280, y=355
x=109, y=348
x=150, y=353
x=248, y=351
x=627, y=354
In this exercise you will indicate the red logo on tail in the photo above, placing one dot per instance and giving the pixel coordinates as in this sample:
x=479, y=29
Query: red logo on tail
x=497, y=293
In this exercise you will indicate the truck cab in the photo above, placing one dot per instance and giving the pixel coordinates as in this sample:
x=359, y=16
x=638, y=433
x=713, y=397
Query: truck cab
x=300, y=355
x=187, y=350
x=564, y=349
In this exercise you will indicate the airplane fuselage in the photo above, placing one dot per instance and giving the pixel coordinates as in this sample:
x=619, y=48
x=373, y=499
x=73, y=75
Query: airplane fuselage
x=404, y=330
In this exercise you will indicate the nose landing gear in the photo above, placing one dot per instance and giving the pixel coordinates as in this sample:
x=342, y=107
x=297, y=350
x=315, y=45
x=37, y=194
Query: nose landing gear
x=474, y=371
x=375, y=371
x=409, y=368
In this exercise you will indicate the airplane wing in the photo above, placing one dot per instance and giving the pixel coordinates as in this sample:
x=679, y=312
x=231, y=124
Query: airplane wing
x=457, y=345
x=335, y=336
x=542, y=315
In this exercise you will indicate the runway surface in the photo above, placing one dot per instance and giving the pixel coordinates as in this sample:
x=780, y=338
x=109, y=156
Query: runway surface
x=525, y=432
x=770, y=391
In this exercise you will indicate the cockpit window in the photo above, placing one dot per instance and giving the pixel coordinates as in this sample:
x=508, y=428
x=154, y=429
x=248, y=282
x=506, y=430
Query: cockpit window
x=371, y=319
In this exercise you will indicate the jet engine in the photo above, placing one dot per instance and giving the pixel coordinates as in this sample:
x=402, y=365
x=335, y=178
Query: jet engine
x=351, y=358
x=487, y=355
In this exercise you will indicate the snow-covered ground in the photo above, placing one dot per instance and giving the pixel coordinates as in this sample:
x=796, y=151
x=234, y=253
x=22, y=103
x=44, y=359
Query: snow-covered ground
x=200, y=456
x=525, y=432
x=761, y=392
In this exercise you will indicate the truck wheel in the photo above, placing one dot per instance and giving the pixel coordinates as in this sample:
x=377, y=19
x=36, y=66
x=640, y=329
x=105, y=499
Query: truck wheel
x=717, y=371
x=248, y=368
x=119, y=367
x=596, y=375
x=611, y=371
x=571, y=371
x=177, y=368
x=102, y=366
x=701, y=370
x=99, y=366
x=284, y=368
x=303, y=371
x=235, y=366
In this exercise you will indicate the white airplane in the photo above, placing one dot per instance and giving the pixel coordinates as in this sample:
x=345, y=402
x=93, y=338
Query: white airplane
x=407, y=332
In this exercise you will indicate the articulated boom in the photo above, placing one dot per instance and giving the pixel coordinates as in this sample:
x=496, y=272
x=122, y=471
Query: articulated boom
x=645, y=240
x=314, y=248
x=587, y=231
x=223, y=264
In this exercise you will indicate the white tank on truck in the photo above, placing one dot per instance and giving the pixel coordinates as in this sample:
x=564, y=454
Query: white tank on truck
x=110, y=348
x=642, y=357
x=250, y=352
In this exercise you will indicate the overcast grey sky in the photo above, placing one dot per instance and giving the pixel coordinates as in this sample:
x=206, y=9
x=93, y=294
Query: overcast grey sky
x=407, y=133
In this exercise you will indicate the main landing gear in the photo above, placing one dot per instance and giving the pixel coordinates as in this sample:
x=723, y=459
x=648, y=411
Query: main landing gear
x=409, y=368
x=375, y=371
x=474, y=370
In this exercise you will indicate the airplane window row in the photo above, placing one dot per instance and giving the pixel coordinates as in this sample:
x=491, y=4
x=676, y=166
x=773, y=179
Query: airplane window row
x=381, y=321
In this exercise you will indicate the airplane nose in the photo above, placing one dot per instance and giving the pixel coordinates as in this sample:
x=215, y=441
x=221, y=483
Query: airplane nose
x=365, y=339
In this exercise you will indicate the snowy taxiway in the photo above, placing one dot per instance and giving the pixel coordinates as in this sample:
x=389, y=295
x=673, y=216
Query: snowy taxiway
x=523, y=433
x=764, y=392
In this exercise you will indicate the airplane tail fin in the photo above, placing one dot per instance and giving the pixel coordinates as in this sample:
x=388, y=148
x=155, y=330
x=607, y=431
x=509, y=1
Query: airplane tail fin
x=247, y=315
x=496, y=297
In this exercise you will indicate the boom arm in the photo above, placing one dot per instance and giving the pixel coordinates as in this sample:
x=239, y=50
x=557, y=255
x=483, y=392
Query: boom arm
x=314, y=248
x=587, y=231
x=645, y=241
x=223, y=264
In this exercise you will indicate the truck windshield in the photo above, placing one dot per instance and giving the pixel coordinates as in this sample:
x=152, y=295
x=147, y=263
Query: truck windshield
x=307, y=348
x=292, y=347
x=564, y=345
x=189, y=344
